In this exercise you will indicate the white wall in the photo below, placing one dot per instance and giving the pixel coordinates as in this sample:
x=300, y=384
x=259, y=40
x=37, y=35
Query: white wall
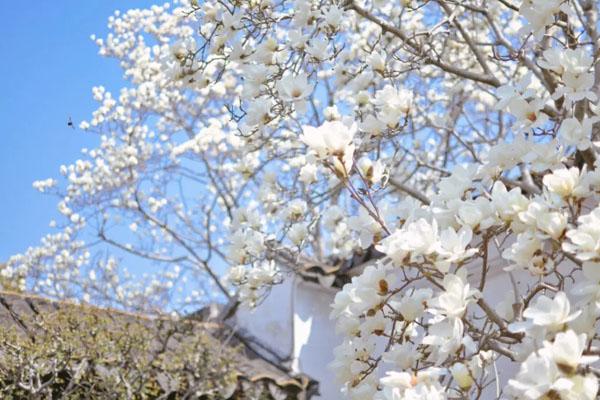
x=271, y=321
x=315, y=336
x=309, y=342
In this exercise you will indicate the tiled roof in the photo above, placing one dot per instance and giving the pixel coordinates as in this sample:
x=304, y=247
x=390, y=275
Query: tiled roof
x=18, y=310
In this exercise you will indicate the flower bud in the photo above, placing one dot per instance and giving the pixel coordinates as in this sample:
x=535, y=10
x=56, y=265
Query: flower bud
x=462, y=375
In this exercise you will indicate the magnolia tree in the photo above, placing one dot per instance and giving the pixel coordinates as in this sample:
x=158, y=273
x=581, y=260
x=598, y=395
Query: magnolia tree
x=455, y=140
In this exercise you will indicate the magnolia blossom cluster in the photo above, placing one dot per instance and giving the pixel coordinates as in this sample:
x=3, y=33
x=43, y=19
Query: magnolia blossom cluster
x=417, y=309
x=451, y=146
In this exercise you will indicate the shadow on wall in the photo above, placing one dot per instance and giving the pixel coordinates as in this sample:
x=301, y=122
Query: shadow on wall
x=314, y=336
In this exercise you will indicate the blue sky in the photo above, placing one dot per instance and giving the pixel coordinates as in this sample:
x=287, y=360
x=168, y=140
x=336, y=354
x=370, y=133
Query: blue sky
x=49, y=65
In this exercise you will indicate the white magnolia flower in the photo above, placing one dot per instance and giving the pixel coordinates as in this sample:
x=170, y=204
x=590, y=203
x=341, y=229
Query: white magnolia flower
x=297, y=39
x=565, y=183
x=294, y=87
x=402, y=356
x=452, y=247
x=417, y=239
x=318, y=49
x=421, y=237
x=332, y=113
x=585, y=238
x=298, y=232
x=544, y=156
x=358, y=83
x=267, y=271
x=258, y=112
x=582, y=388
x=552, y=314
x=455, y=298
x=574, y=66
x=231, y=22
x=567, y=351
x=589, y=287
x=413, y=305
x=425, y=392
x=349, y=357
x=539, y=14
x=538, y=214
x=333, y=217
x=371, y=171
x=561, y=60
x=376, y=61
x=219, y=97
x=553, y=60
x=255, y=75
x=372, y=125
x=578, y=134
x=393, y=104
x=295, y=210
x=308, y=173
x=539, y=376
x=455, y=186
x=552, y=370
x=332, y=141
x=553, y=223
x=529, y=113
x=508, y=204
x=362, y=294
x=578, y=86
x=373, y=325
x=333, y=17
x=424, y=385
x=522, y=88
x=236, y=274
x=370, y=285
x=265, y=51
x=367, y=227
x=506, y=155
x=474, y=214
x=444, y=338
x=245, y=243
